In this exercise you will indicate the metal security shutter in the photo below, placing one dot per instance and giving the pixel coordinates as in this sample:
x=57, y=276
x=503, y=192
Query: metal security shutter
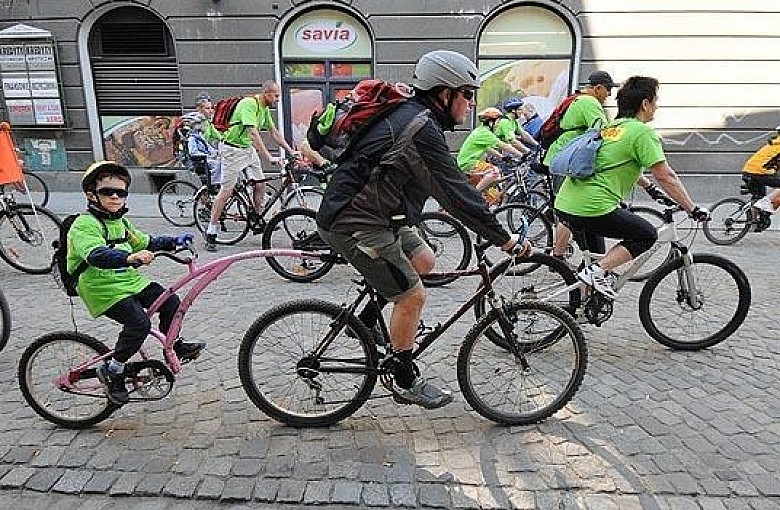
x=138, y=86
x=134, y=67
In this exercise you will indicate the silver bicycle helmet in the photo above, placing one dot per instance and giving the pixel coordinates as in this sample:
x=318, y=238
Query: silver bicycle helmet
x=445, y=68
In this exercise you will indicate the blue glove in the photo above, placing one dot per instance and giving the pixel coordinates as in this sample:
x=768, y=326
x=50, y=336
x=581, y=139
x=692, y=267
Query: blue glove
x=184, y=239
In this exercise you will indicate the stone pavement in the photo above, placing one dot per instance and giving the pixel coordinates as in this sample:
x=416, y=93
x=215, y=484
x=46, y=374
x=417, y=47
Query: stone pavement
x=649, y=428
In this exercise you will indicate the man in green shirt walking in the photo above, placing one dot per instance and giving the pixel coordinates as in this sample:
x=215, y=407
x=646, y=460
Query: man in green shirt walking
x=241, y=148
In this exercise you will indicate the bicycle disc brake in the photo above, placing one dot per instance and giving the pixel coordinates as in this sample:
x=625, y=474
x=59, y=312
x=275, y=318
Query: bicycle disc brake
x=598, y=309
x=150, y=380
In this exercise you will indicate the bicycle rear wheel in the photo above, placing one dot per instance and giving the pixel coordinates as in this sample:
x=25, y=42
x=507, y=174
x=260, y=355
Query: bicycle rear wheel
x=37, y=187
x=26, y=237
x=53, y=355
x=5, y=321
x=298, y=370
x=670, y=316
x=233, y=222
x=175, y=201
x=730, y=221
x=531, y=378
x=452, y=249
x=296, y=229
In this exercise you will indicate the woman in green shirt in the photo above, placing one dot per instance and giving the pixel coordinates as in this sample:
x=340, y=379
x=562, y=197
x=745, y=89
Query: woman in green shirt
x=593, y=204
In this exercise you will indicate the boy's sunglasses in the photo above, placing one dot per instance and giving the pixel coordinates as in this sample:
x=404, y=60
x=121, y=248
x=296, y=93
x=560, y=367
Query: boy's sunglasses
x=108, y=192
x=468, y=94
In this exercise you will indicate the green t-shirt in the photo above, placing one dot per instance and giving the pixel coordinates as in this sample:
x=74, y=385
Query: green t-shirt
x=506, y=129
x=248, y=113
x=474, y=146
x=629, y=146
x=210, y=132
x=582, y=113
x=100, y=288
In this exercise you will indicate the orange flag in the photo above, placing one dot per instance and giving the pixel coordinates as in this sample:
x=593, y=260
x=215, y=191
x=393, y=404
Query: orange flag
x=10, y=168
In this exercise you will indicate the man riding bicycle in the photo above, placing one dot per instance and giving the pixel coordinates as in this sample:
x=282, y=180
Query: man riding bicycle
x=593, y=204
x=760, y=171
x=378, y=192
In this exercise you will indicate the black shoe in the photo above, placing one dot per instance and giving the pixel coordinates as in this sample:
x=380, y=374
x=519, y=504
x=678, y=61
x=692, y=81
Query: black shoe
x=211, y=242
x=188, y=351
x=116, y=391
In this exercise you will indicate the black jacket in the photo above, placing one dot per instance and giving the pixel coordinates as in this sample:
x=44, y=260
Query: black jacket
x=387, y=175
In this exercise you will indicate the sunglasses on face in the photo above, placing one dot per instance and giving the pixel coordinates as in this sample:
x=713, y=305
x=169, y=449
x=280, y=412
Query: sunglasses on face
x=468, y=94
x=109, y=192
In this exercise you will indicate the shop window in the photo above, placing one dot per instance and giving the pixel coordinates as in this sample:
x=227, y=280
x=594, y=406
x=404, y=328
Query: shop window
x=325, y=52
x=526, y=51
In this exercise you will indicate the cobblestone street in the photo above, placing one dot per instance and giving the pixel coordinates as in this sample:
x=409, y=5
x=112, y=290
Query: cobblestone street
x=649, y=428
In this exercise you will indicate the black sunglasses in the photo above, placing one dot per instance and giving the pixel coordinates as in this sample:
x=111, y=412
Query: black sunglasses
x=108, y=192
x=468, y=94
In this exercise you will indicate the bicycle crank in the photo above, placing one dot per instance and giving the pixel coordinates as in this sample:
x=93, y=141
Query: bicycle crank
x=150, y=379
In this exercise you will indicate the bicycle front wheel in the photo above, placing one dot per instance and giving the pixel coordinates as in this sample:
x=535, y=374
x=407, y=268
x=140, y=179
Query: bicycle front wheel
x=5, y=321
x=452, y=249
x=233, y=222
x=26, y=237
x=691, y=308
x=175, y=202
x=296, y=229
x=730, y=221
x=84, y=402
x=307, y=197
x=531, y=377
x=300, y=371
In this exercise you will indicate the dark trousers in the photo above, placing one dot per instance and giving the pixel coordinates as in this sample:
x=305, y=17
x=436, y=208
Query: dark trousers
x=131, y=314
x=637, y=234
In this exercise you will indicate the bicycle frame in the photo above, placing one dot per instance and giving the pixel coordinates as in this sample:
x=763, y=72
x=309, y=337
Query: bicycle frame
x=203, y=277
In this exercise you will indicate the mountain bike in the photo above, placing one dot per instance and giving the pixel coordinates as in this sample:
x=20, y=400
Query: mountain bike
x=734, y=217
x=311, y=363
x=239, y=215
x=693, y=301
x=57, y=372
x=296, y=229
x=38, y=190
x=26, y=235
x=5, y=321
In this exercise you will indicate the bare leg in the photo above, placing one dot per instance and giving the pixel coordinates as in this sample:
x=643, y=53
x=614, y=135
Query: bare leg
x=258, y=197
x=562, y=239
x=405, y=318
x=616, y=256
x=218, y=207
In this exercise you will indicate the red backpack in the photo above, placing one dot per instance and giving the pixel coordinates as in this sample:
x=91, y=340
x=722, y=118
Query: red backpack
x=224, y=109
x=368, y=102
x=551, y=129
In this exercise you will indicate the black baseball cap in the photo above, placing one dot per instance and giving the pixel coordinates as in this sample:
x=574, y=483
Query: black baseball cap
x=601, y=78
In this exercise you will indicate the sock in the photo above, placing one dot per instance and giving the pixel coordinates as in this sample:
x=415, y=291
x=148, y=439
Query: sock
x=115, y=367
x=213, y=229
x=403, y=370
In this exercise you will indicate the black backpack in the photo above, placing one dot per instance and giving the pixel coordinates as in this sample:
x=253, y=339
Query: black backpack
x=66, y=281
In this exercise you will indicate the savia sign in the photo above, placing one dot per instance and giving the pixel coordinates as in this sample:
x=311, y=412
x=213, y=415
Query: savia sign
x=322, y=36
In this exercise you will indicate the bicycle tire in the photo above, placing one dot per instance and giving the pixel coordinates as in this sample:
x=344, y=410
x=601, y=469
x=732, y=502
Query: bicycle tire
x=175, y=201
x=55, y=404
x=296, y=229
x=29, y=250
x=38, y=188
x=310, y=198
x=511, y=387
x=661, y=257
x=233, y=223
x=276, y=347
x=730, y=221
x=512, y=282
x=664, y=287
x=453, y=251
x=5, y=321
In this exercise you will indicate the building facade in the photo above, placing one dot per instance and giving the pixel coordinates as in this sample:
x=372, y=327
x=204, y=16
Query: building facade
x=86, y=79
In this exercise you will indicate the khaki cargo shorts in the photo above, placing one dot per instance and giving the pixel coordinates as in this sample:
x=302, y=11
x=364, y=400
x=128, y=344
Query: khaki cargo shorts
x=234, y=160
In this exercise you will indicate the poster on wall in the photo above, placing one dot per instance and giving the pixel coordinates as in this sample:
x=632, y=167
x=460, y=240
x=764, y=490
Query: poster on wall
x=139, y=140
x=541, y=83
x=28, y=71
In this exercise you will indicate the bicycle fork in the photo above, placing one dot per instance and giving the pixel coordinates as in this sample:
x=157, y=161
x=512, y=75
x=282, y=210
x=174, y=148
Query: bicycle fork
x=686, y=283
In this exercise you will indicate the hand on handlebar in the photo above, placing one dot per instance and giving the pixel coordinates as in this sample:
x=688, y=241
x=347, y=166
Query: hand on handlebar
x=700, y=214
x=140, y=258
x=516, y=246
x=184, y=239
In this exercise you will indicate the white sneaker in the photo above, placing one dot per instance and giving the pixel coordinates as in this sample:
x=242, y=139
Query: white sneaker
x=765, y=205
x=597, y=278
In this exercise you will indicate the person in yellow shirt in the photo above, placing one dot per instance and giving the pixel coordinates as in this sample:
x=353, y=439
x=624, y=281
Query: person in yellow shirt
x=760, y=171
